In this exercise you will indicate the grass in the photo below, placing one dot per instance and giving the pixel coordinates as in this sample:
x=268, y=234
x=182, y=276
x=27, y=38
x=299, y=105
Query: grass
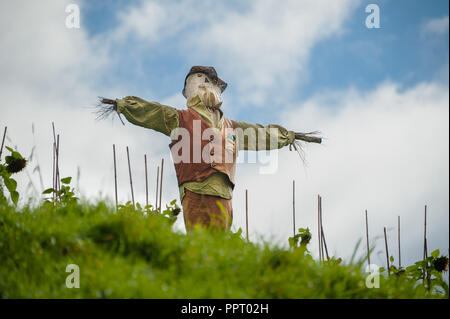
x=131, y=255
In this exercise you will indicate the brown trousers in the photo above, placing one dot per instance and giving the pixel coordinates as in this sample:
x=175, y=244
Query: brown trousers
x=203, y=210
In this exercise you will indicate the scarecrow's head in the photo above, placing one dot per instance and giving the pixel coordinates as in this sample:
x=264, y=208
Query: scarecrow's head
x=204, y=82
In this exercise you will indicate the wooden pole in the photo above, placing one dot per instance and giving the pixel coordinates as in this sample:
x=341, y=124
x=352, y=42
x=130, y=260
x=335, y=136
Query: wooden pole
x=161, y=183
x=131, y=181
x=3, y=142
x=157, y=188
x=146, y=181
x=293, y=206
x=387, y=251
x=367, y=238
x=246, y=213
x=399, y=248
x=115, y=176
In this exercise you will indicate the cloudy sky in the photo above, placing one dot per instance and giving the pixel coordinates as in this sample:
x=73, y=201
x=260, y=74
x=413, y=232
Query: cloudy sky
x=379, y=96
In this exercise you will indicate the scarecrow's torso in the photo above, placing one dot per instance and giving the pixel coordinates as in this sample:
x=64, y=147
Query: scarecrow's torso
x=210, y=150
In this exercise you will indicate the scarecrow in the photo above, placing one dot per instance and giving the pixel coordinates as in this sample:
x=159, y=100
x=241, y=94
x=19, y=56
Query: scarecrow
x=208, y=141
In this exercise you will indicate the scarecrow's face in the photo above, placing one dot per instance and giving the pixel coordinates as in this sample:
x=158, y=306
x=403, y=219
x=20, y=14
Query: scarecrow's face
x=208, y=92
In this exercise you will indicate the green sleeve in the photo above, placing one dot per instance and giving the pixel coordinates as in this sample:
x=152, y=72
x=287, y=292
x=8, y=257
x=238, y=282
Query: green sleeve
x=249, y=136
x=161, y=118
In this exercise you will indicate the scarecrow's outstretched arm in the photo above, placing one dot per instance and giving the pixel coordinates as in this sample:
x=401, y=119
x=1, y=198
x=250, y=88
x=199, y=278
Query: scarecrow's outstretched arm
x=153, y=115
x=249, y=136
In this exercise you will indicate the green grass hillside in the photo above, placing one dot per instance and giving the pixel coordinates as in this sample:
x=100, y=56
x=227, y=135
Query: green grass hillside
x=131, y=255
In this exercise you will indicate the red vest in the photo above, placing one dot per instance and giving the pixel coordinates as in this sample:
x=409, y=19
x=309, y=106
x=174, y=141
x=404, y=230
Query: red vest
x=209, y=150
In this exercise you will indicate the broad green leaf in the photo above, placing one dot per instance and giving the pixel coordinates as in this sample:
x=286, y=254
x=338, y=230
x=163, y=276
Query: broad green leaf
x=15, y=197
x=411, y=268
x=291, y=242
x=10, y=184
x=391, y=259
x=3, y=172
x=48, y=191
x=435, y=253
x=14, y=154
x=66, y=180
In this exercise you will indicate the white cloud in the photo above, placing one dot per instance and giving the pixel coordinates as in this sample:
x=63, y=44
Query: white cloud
x=436, y=26
x=268, y=46
x=39, y=52
x=176, y=100
x=52, y=74
x=386, y=151
x=260, y=46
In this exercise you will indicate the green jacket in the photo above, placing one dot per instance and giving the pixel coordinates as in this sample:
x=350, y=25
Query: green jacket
x=164, y=119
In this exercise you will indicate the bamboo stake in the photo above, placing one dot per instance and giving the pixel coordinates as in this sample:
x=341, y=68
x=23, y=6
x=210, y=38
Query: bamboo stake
x=131, y=181
x=324, y=243
x=246, y=213
x=58, y=183
x=387, y=251
x=425, y=252
x=115, y=175
x=146, y=181
x=54, y=172
x=54, y=164
x=3, y=142
x=54, y=135
x=160, y=185
x=293, y=206
x=1, y=151
x=322, y=238
x=399, y=250
x=318, y=228
x=367, y=238
x=157, y=188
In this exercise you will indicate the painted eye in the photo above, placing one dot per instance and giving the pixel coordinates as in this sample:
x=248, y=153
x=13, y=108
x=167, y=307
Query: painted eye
x=206, y=80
